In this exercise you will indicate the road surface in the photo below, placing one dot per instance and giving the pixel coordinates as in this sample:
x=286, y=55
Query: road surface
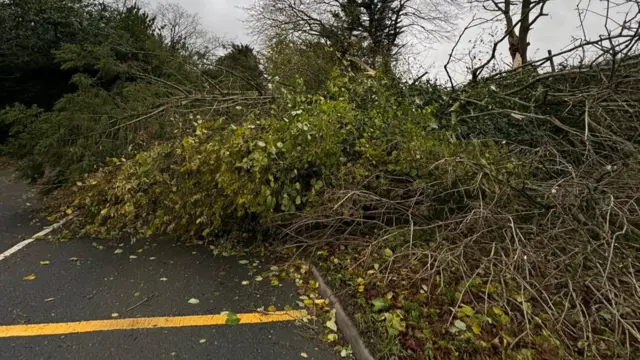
x=89, y=299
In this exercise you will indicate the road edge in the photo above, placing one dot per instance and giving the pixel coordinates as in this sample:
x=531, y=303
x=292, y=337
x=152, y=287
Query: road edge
x=17, y=247
x=343, y=321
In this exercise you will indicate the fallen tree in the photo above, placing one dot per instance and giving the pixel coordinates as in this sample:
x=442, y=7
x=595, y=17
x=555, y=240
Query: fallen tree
x=517, y=239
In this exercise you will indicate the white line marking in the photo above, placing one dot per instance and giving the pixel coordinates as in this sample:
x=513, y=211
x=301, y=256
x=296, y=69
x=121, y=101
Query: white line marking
x=24, y=243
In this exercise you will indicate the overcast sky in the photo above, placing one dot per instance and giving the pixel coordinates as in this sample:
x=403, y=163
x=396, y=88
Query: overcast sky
x=221, y=17
x=225, y=18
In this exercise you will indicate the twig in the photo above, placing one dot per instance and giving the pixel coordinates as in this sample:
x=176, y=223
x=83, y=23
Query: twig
x=141, y=302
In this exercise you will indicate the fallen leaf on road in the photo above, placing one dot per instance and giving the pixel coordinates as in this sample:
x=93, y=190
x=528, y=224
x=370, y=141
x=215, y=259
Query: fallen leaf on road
x=232, y=319
x=29, y=277
x=136, y=294
x=332, y=337
x=132, y=257
x=246, y=282
x=115, y=315
x=202, y=341
x=193, y=301
x=152, y=258
x=73, y=259
x=118, y=251
x=163, y=279
x=44, y=262
x=271, y=308
x=243, y=262
x=258, y=278
x=304, y=355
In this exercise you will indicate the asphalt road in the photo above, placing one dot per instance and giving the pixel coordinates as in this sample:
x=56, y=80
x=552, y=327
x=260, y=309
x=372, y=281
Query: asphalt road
x=84, y=280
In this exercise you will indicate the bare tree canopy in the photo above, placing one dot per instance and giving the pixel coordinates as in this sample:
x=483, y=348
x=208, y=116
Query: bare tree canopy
x=506, y=34
x=373, y=30
x=526, y=13
x=184, y=31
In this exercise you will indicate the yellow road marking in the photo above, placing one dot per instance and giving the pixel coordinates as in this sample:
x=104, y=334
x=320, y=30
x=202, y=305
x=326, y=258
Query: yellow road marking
x=142, y=323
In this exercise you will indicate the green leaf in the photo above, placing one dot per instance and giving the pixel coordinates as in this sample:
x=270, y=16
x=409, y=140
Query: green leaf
x=460, y=325
x=388, y=253
x=232, y=319
x=380, y=304
x=465, y=310
x=331, y=323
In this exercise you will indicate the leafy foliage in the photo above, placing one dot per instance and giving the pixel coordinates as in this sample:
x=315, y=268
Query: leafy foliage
x=29, y=32
x=311, y=63
x=71, y=137
x=275, y=164
x=128, y=85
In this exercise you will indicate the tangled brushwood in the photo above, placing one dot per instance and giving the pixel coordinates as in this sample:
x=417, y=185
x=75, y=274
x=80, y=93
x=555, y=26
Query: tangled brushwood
x=509, y=226
x=539, y=264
